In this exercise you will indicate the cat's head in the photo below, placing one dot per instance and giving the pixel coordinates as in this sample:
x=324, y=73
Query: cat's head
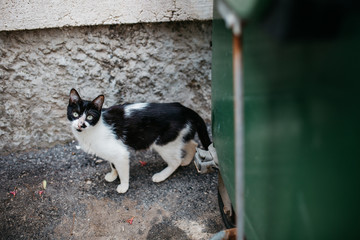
x=83, y=114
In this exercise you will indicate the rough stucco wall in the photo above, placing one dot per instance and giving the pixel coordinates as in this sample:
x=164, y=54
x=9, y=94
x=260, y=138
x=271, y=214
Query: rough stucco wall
x=160, y=62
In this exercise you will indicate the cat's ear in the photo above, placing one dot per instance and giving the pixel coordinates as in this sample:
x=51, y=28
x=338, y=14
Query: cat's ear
x=74, y=97
x=98, y=102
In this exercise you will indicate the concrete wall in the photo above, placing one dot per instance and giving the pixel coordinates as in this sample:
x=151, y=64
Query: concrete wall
x=25, y=14
x=157, y=62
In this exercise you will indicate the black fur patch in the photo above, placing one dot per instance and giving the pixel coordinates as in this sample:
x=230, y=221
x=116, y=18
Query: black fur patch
x=158, y=123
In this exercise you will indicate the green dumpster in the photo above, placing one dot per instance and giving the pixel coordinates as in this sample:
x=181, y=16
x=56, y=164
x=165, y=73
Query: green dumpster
x=300, y=84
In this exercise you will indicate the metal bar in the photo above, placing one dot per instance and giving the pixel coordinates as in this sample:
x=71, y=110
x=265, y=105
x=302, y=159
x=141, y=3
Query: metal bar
x=239, y=133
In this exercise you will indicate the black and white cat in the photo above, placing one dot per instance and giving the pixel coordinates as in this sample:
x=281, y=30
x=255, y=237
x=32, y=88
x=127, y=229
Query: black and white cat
x=168, y=128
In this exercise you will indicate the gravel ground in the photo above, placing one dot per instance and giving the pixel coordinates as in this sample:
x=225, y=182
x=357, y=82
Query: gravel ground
x=79, y=204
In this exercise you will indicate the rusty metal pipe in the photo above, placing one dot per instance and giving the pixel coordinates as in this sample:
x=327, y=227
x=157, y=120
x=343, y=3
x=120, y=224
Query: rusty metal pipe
x=239, y=133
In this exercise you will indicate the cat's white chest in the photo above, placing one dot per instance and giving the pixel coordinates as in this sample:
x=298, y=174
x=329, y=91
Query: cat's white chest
x=101, y=141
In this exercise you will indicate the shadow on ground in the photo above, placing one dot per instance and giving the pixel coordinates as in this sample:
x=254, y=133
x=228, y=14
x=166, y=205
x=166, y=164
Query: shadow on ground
x=79, y=204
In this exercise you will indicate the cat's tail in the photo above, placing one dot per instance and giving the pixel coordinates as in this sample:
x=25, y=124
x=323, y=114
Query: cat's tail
x=201, y=129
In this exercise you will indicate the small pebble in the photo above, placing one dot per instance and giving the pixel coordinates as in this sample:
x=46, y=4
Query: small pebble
x=99, y=161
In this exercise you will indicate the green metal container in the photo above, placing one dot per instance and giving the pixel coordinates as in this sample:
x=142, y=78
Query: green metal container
x=301, y=122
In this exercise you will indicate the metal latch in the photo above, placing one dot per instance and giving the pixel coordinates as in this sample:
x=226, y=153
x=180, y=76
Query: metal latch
x=204, y=160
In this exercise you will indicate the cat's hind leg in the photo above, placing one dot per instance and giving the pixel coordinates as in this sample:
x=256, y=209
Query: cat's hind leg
x=111, y=176
x=171, y=153
x=190, y=150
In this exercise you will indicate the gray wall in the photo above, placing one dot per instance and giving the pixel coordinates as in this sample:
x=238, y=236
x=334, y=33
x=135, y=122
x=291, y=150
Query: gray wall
x=158, y=62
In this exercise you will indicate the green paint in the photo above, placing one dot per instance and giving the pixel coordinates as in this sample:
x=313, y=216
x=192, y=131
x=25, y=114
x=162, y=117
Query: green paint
x=301, y=137
x=302, y=132
x=222, y=102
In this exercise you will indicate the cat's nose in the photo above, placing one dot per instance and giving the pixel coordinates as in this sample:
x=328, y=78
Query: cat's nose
x=81, y=124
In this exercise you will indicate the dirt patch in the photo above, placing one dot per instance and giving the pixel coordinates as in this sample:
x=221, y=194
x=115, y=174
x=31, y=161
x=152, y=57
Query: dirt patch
x=79, y=204
x=106, y=219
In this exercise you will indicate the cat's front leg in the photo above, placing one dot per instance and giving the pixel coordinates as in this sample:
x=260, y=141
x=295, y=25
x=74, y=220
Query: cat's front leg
x=111, y=176
x=123, y=168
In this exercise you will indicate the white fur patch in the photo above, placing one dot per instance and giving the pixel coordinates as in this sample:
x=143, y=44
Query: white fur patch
x=171, y=149
x=100, y=140
x=134, y=107
x=171, y=153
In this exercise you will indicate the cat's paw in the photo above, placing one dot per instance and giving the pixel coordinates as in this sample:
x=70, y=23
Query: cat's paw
x=122, y=188
x=110, y=177
x=158, y=177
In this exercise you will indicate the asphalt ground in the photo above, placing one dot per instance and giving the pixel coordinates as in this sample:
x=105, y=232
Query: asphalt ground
x=78, y=203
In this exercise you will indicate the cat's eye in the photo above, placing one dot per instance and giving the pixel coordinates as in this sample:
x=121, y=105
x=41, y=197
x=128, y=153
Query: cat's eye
x=89, y=117
x=75, y=114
